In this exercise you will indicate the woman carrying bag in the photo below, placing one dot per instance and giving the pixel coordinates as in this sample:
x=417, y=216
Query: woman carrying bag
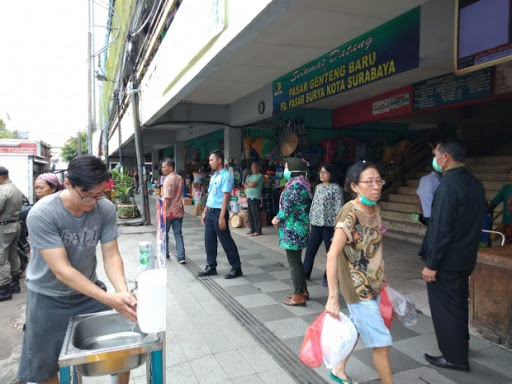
x=355, y=264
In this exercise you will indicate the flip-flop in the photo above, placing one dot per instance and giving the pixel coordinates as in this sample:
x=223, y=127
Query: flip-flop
x=337, y=379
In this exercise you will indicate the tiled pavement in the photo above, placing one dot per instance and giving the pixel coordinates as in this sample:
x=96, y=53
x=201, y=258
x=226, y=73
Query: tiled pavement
x=238, y=331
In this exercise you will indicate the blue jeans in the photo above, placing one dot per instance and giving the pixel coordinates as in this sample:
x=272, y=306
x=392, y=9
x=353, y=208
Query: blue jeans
x=178, y=236
x=212, y=231
x=316, y=236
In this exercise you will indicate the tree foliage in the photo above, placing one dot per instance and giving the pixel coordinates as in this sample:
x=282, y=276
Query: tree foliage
x=70, y=149
x=5, y=133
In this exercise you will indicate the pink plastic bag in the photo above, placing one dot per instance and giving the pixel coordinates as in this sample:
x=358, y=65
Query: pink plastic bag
x=311, y=350
x=385, y=308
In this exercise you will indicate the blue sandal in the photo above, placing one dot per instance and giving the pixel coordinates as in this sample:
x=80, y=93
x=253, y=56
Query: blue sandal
x=337, y=379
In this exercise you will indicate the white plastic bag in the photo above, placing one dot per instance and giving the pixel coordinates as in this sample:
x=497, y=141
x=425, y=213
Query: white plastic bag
x=404, y=310
x=337, y=340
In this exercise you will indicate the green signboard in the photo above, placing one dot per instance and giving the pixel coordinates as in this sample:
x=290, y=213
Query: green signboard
x=383, y=52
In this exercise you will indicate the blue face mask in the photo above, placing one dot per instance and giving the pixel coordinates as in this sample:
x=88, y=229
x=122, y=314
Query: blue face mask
x=436, y=166
x=287, y=174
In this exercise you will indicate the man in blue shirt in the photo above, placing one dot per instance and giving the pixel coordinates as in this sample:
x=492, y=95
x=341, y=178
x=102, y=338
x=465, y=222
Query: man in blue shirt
x=215, y=219
x=425, y=194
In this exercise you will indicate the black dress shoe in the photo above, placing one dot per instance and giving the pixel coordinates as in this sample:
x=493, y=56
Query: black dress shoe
x=234, y=273
x=208, y=271
x=440, y=361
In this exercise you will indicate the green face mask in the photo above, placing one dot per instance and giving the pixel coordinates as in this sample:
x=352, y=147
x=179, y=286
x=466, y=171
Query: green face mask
x=287, y=174
x=366, y=201
x=436, y=166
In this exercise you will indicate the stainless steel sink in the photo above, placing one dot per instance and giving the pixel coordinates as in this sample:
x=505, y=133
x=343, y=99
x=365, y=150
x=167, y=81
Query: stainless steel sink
x=105, y=343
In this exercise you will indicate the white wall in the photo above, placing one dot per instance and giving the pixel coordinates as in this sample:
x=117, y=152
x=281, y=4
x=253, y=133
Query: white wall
x=245, y=110
x=161, y=89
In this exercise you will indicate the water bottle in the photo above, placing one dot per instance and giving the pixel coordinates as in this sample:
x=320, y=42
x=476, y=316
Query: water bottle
x=145, y=252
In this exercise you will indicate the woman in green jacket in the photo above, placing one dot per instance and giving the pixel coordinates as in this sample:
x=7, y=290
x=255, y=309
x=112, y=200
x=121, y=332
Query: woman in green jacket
x=293, y=223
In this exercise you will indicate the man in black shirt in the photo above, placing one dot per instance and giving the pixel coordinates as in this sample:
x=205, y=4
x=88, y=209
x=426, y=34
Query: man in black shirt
x=450, y=251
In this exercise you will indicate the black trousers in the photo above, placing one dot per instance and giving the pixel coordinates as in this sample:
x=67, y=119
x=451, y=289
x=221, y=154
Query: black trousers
x=212, y=231
x=448, y=298
x=316, y=236
x=255, y=215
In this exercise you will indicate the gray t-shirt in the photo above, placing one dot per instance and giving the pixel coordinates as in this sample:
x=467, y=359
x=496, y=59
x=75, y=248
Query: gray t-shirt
x=51, y=225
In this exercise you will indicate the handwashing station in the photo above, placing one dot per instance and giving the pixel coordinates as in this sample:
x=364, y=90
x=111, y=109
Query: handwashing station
x=107, y=343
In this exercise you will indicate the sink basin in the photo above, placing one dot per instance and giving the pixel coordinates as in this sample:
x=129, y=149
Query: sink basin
x=105, y=343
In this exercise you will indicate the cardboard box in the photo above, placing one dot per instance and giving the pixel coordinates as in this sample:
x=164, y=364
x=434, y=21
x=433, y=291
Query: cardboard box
x=187, y=201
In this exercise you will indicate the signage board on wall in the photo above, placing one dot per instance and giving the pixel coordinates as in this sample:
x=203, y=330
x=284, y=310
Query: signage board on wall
x=395, y=103
x=503, y=79
x=451, y=89
x=20, y=148
x=383, y=52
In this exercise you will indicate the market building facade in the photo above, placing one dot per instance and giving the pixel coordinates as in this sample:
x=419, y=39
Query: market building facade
x=338, y=81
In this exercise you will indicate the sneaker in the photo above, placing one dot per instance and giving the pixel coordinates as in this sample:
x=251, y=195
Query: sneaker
x=324, y=283
x=168, y=257
x=181, y=260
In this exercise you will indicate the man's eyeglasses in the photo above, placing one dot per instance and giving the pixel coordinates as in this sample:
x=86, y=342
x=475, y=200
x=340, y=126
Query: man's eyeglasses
x=371, y=183
x=88, y=199
x=323, y=172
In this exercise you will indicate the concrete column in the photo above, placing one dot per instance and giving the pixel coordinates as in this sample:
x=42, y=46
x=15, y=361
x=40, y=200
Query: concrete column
x=179, y=155
x=155, y=160
x=232, y=142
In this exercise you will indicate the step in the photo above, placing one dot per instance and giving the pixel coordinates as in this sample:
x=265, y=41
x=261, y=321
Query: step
x=482, y=176
x=490, y=193
x=405, y=227
x=410, y=238
x=489, y=160
x=398, y=207
x=396, y=198
x=407, y=190
x=503, y=177
x=490, y=168
x=402, y=217
x=413, y=182
x=492, y=185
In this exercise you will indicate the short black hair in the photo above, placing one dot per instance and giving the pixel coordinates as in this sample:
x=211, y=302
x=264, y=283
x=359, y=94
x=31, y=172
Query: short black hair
x=455, y=147
x=354, y=173
x=218, y=154
x=87, y=171
x=169, y=162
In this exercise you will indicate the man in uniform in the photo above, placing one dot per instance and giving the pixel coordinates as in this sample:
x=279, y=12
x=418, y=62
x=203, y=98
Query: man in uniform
x=172, y=193
x=450, y=251
x=215, y=219
x=65, y=229
x=11, y=200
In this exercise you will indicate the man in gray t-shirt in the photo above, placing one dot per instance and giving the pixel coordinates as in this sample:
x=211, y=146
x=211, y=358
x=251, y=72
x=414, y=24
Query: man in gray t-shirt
x=65, y=229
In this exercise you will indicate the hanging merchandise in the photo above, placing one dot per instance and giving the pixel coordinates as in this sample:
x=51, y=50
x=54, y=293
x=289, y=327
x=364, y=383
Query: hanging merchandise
x=289, y=144
x=303, y=140
x=329, y=147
